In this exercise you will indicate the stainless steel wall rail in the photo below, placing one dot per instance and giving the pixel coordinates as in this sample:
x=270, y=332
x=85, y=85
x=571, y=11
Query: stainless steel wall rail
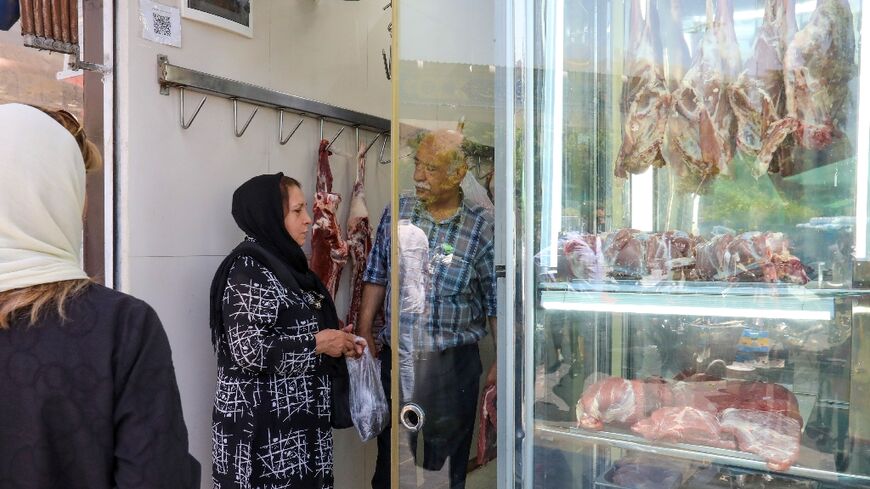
x=185, y=78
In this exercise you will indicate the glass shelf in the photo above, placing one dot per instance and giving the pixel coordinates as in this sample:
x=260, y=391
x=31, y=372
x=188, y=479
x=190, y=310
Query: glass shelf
x=566, y=437
x=711, y=299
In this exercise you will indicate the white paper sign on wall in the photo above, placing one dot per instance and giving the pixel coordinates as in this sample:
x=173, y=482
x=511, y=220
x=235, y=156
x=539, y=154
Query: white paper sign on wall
x=160, y=23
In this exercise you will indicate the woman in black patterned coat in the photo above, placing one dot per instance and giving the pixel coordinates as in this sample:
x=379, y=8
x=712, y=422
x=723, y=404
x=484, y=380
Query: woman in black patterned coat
x=274, y=329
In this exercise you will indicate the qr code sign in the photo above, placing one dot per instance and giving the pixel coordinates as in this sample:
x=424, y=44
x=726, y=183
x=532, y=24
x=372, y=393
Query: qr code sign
x=162, y=24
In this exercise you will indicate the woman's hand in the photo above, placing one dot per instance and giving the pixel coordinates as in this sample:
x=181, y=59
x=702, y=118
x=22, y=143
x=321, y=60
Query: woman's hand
x=337, y=343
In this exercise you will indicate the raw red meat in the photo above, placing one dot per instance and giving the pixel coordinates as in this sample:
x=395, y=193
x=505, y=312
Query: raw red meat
x=819, y=63
x=328, y=248
x=757, y=396
x=616, y=400
x=486, y=438
x=645, y=98
x=710, y=257
x=772, y=436
x=625, y=253
x=584, y=255
x=359, y=236
x=702, y=125
x=669, y=253
x=684, y=425
x=758, y=97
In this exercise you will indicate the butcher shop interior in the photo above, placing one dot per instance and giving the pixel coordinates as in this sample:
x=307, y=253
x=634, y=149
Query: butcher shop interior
x=677, y=194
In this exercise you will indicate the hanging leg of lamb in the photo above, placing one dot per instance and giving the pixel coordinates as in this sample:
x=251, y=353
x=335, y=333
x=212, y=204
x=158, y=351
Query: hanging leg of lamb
x=616, y=400
x=684, y=425
x=772, y=436
x=645, y=99
x=701, y=126
x=818, y=65
x=328, y=248
x=359, y=237
x=758, y=97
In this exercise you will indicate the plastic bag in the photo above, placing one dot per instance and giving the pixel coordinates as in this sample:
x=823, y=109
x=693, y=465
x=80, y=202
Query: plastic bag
x=368, y=404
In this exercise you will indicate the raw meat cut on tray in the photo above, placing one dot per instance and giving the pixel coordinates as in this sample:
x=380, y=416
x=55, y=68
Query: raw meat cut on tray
x=819, y=63
x=328, y=247
x=758, y=96
x=772, y=436
x=645, y=98
x=359, y=236
x=616, y=400
x=701, y=126
x=684, y=425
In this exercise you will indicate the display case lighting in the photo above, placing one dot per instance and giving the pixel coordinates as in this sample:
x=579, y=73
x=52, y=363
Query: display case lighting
x=863, y=151
x=679, y=310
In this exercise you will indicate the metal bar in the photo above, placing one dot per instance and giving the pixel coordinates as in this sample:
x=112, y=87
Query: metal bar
x=176, y=76
x=573, y=436
x=186, y=124
x=366, y=151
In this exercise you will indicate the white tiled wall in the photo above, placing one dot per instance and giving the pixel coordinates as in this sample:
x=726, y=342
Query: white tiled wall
x=175, y=186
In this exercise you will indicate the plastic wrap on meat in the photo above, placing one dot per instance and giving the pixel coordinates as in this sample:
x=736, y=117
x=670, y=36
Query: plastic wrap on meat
x=621, y=401
x=711, y=257
x=701, y=126
x=669, y=254
x=688, y=394
x=684, y=425
x=645, y=98
x=770, y=435
x=758, y=96
x=585, y=257
x=625, y=253
x=677, y=52
x=818, y=65
x=756, y=396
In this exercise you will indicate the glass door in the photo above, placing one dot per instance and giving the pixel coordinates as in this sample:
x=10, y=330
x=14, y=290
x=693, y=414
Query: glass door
x=442, y=327
x=692, y=194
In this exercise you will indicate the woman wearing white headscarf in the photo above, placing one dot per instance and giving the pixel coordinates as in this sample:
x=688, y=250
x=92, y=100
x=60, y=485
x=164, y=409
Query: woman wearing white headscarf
x=89, y=397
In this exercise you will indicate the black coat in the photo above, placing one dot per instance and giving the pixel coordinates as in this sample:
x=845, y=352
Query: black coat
x=92, y=402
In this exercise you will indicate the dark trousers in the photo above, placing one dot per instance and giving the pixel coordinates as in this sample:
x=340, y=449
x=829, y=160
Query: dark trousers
x=446, y=387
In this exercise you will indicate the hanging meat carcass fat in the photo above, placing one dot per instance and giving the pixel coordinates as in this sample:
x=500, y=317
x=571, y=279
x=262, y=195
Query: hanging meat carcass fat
x=818, y=65
x=758, y=96
x=701, y=126
x=359, y=236
x=645, y=98
x=328, y=247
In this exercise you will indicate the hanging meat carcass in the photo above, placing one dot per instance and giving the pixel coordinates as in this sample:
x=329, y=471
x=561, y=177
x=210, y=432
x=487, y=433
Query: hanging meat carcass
x=645, y=98
x=758, y=96
x=701, y=126
x=328, y=248
x=359, y=236
x=677, y=61
x=819, y=63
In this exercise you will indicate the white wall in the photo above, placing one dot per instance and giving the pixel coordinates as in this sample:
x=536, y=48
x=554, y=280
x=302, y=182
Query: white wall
x=175, y=186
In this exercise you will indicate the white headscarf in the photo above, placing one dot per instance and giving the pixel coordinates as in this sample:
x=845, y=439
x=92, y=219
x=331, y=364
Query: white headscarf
x=42, y=195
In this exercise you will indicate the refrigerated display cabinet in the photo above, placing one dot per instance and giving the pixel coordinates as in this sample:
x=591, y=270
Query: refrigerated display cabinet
x=681, y=199
x=691, y=256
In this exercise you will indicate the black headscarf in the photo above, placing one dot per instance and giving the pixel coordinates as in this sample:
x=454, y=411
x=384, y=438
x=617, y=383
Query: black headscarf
x=259, y=211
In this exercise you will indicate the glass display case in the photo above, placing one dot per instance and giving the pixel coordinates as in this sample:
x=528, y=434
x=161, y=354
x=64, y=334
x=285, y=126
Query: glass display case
x=691, y=241
x=679, y=192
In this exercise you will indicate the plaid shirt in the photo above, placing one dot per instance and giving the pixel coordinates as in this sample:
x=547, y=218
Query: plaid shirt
x=462, y=284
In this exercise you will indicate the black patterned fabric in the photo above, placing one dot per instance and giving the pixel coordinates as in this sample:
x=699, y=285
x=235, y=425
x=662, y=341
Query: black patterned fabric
x=92, y=402
x=271, y=427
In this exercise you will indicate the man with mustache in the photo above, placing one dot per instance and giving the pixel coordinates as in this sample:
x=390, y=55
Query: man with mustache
x=459, y=303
